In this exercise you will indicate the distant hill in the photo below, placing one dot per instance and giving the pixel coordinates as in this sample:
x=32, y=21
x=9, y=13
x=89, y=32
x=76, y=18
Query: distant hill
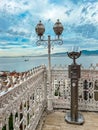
x=84, y=52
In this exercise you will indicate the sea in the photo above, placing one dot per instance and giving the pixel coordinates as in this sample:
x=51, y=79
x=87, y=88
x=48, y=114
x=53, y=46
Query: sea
x=22, y=64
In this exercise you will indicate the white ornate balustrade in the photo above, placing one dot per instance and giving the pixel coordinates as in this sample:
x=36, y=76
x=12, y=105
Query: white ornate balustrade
x=88, y=88
x=22, y=105
x=23, y=99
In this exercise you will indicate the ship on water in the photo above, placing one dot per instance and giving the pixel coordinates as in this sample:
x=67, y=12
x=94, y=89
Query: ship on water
x=26, y=60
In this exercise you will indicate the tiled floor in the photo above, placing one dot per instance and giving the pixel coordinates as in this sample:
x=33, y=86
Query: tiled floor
x=55, y=121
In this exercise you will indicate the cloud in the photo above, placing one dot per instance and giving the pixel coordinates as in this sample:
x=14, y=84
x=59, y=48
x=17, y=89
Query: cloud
x=13, y=6
x=19, y=18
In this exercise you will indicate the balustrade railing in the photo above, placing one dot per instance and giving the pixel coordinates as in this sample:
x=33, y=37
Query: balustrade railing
x=88, y=88
x=22, y=105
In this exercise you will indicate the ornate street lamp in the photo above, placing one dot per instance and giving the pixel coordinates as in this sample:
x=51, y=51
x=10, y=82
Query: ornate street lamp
x=40, y=29
x=58, y=29
x=74, y=117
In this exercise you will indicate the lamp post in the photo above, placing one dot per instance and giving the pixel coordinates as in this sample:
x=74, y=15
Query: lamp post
x=74, y=117
x=58, y=29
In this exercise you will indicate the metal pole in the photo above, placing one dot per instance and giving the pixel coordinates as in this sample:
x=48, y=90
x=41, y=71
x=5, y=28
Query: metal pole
x=50, y=106
x=74, y=100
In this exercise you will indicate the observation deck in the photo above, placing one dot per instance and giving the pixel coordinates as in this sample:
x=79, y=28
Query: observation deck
x=55, y=121
x=23, y=99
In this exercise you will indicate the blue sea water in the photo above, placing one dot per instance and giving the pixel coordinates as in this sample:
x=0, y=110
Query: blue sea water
x=20, y=65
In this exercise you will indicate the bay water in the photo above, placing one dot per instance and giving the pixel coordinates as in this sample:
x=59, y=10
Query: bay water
x=21, y=64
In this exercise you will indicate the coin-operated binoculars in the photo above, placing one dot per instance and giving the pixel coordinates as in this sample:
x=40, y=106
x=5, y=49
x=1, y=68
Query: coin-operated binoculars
x=74, y=117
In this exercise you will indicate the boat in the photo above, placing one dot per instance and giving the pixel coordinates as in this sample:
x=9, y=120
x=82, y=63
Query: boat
x=26, y=60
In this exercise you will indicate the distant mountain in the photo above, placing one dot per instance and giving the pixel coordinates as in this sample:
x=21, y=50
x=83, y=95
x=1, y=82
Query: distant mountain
x=60, y=54
x=84, y=52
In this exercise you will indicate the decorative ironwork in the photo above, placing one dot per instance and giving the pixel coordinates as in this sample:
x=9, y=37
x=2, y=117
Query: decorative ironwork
x=58, y=29
x=53, y=42
x=74, y=55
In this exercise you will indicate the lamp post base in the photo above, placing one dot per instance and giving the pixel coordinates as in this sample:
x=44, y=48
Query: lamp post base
x=50, y=105
x=79, y=121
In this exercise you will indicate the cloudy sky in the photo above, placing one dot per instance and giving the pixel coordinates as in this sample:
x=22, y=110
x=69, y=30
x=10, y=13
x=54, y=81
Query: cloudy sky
x=18, y=19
